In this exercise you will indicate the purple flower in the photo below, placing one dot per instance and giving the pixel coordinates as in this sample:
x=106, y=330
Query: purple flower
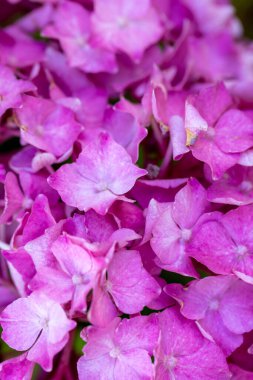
x=224, y=243
x=120, y=350
x=37, y=324
x=37, y=120
x=11, y=89
x=18, y=368
x=73, y=277
x=172, y=229
x=97, y=178
x=221, y=305
x=116, y=24
x=184, y=353
x=76, y=39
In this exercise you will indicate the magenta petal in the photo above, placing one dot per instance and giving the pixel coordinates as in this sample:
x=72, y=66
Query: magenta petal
x=144, y=22
x=101, y=300
x=182, y=348
x=233, y=132
x=190, y=203
x=129, y=283
x=38, y=118
x=236, y=187
x=236, y=308
x=169, y=243
x=13, y=199
x=205, y=149
x=18, y=368
x=212, y=246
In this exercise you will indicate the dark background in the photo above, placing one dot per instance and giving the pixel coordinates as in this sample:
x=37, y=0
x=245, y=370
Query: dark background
x=244, y=10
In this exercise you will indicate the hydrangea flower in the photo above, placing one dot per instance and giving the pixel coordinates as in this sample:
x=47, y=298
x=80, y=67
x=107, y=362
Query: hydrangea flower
x=73, y=278
x=76, y=39
x=37, y=120
x=121, y=350
x=126, y=155
x=223, y=243
x=40, y=326
x=97, y=178
x=183, y=352
x=19, y=368
x=11, y=89
x=128, y=283
x=172, y=229
x=220, y=305
x=117, y=22
x=235, y=187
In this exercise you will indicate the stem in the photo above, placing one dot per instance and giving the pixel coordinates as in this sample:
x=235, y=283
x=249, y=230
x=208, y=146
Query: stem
x=166, y=160
x=158, y=136
x=63, y=368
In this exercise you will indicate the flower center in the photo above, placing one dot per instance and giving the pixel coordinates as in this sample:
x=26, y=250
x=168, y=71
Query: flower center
x=101, y=186
x=115, y=352
x=108, y=286
x=214, y=304
x=44, y=322
x=170, y=361
x=122, y=22
x=246, y=186
x=27, y=203
x=186, y=234
x=241, y=251
x=79, y=279
x=40, y=130
x=81, y=41
x=210, y=132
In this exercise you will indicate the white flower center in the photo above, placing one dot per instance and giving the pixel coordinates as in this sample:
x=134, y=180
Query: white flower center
x=81, y=41
x=108, y=286
x=210, y=132
x=27, y=203
x=115, y=352
x=44, y=322
x=101, y=186
x=246, y=186
x=241, y=251
x=122, y=22
x=214, y=304
x=40, y=130
x=79, y=279
x=170, y=362
x=186, y=234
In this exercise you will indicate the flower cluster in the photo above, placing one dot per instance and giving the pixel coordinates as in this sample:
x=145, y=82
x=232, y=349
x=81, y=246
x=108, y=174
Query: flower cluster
x=126, y=191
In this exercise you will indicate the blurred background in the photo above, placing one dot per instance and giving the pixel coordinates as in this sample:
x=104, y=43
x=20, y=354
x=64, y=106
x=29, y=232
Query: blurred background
x=244, y=10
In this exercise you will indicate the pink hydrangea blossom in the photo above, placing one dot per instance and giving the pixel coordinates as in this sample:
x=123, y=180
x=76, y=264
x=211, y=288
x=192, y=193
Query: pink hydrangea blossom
x=73, y=277
x=97, y=178
x=223, y=242
x=184, y=353
x=128, y=283
x=126, y=190
x=76, y=39
x=40, y=326
x=120, y=350
x=117, y=22
x=11, y=89
x=220, y=305
x=18, y=368
x=37, y=120
x=173, y=228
